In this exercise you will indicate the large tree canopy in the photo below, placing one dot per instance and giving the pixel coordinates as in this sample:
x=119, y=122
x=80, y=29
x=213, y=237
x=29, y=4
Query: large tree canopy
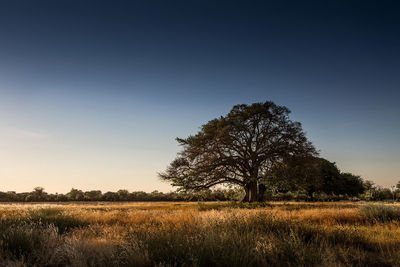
x=239, y=148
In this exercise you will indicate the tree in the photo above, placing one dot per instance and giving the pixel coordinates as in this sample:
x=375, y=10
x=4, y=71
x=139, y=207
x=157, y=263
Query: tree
x=239, y=148
x=397, y=191
x=110, y=196
x=123, y=194
x=38, y=194
x=93, y=195
x=38, y=190
x=313, y=175
x=75, y=195
x=304, y=174
x=352, y=185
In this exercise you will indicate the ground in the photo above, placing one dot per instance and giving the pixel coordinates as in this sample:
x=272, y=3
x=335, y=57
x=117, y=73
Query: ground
x=200, y=234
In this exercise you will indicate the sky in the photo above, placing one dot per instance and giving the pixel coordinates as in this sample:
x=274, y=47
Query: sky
x=94, y=93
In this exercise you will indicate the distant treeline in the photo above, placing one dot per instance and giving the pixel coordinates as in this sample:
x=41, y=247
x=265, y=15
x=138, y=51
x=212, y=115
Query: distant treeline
x=39, y=195
x=317, y=179
x=370, y=192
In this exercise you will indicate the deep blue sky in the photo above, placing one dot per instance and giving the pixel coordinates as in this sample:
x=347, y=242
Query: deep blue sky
x=93, y=93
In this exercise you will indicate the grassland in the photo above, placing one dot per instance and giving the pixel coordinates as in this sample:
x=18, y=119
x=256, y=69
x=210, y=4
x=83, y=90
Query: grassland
x=200, y=234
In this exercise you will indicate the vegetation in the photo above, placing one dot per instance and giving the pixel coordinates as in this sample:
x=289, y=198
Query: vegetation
x=312, y=177
x=381, y=213
x=346, y=187
x=39, y=195
x=259, y=149
x=326, y=187
x=200, y=234
x=239, y=149
x=255, y=153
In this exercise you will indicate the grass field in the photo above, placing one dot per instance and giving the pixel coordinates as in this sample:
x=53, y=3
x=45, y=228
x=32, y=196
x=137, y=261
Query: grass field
x=200, y=234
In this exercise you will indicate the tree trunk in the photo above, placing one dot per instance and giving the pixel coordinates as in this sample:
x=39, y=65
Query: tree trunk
x=251, y=192
x=310, y=193
x=261, y=190
x=253, y=196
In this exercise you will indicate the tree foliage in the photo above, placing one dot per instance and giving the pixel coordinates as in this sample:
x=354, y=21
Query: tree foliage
x=239, y=148
x=120, y=195
x=313, y=175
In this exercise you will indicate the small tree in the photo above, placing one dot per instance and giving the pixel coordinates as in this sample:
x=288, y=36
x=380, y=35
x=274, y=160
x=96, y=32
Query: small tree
x=75, y=195
x=38, y=193
x=397, y=191
x=239, y=148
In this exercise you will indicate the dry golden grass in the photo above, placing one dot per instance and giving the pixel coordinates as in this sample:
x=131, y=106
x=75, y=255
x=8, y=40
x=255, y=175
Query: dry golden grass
x=199, y=234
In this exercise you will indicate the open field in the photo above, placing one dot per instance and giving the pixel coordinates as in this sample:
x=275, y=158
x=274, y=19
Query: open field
x=200, y=234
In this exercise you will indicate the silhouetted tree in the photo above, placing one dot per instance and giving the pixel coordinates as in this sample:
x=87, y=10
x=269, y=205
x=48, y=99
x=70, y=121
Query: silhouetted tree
x=239, y=148
x=397, y=191
x=75, y=195
x=123, y=195
x=313, y=175
x=110, y=196
x=38, y=190
x=351, y=185
x=94, y=195
x=38, y=194
x=295, y=173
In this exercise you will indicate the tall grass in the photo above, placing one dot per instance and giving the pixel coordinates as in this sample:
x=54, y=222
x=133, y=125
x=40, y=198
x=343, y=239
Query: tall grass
x=28, y=242
x=216, y=234
x=56, y=217
x=381, y=213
